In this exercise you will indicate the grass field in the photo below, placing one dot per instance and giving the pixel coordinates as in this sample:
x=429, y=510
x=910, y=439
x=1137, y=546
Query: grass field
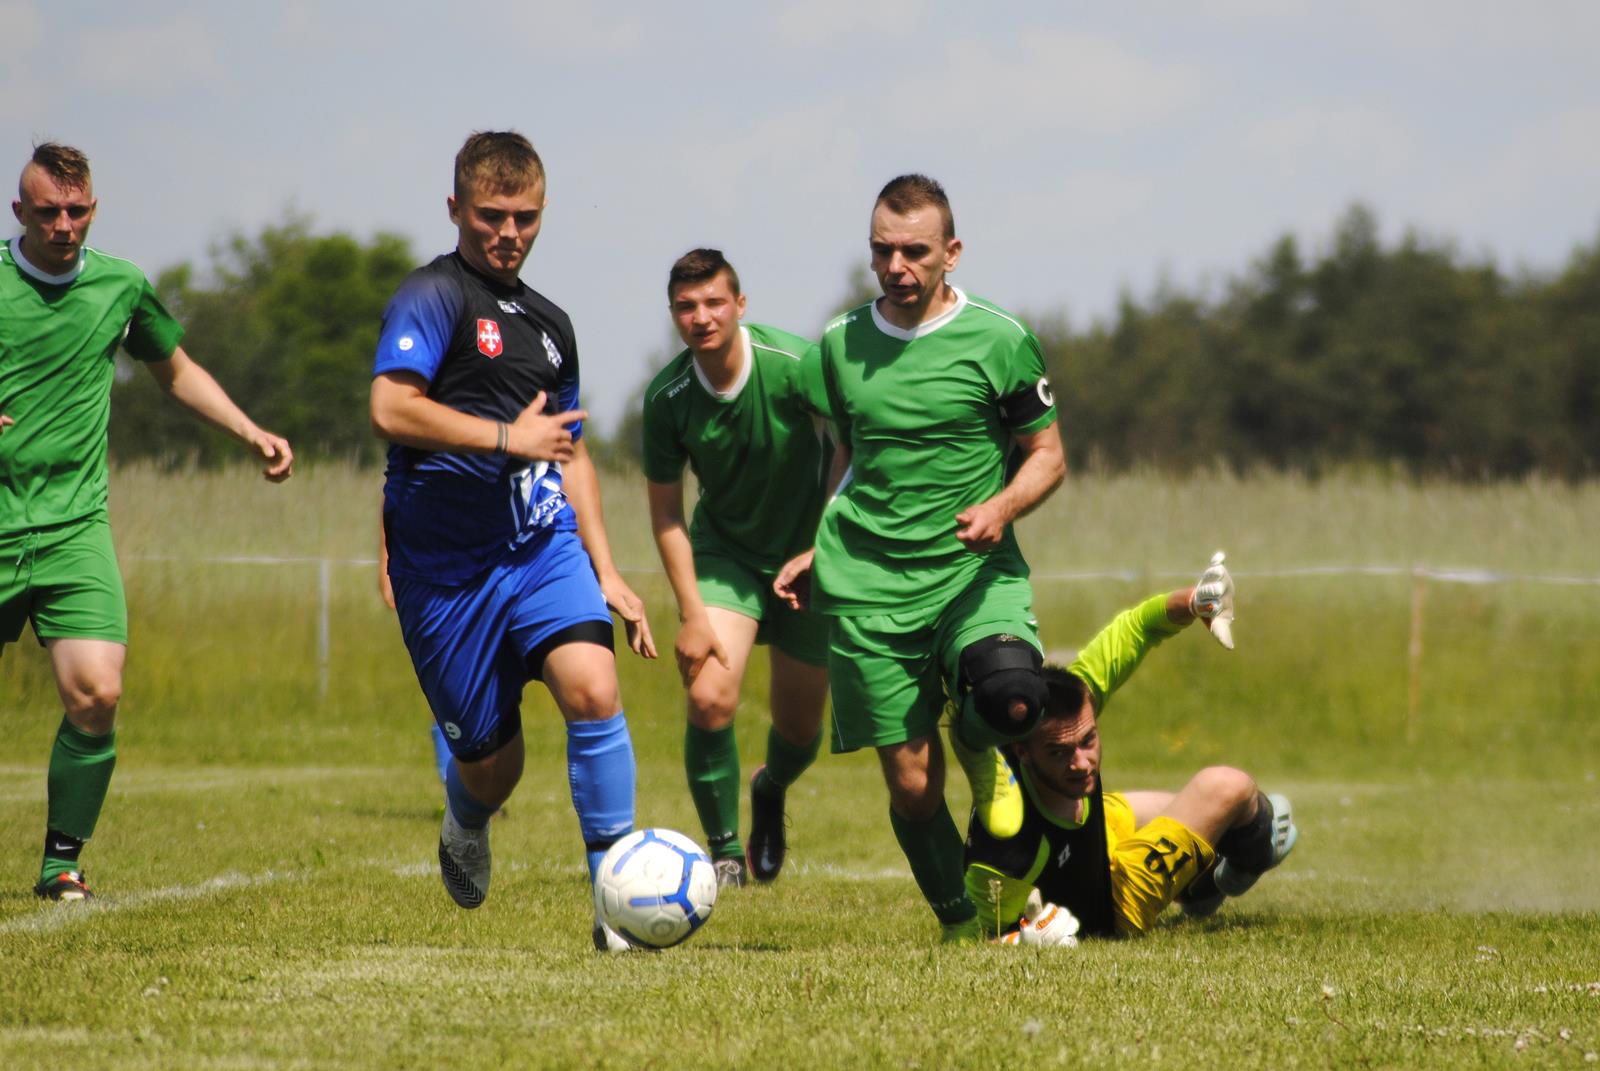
x=269, y=896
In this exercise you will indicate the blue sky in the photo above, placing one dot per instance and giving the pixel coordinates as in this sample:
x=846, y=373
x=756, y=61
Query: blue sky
x=1088, y=149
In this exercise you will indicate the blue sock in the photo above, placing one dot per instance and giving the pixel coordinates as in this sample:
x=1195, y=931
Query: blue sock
x=600, y=771
x=469, y=811
x=441, y=752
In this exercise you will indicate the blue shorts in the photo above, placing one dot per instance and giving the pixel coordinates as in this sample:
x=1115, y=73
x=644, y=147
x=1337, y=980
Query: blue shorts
x=475, y=646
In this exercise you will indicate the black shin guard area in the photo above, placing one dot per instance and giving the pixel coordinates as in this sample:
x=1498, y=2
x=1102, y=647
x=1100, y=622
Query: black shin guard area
x=1249, y=847
x=1000, y=671
x=596, y=632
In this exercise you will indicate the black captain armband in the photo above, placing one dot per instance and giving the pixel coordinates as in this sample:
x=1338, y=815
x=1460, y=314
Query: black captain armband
x=1027, y=405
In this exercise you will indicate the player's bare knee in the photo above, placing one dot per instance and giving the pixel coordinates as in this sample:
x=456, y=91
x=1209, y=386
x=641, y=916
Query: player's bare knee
x=1229, y=787
x=91, y=702
x=711, y=707
x=911, y=800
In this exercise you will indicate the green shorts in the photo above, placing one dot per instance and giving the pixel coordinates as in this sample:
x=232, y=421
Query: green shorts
x=65, y=580
x=889, y=674
x=730, y=584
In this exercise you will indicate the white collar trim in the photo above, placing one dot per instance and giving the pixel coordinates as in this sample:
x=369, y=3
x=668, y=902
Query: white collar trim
x=744, y=371
x=39, y=273
x=928, y=327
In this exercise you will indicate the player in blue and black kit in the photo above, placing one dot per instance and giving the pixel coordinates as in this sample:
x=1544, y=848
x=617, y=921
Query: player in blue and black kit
x=498, y=554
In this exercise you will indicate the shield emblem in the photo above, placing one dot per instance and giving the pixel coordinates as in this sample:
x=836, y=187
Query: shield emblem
x=489, y=342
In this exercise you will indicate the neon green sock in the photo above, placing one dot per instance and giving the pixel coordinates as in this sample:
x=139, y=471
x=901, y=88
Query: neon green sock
x=786, y=762
x=711, y=760
x=933, y=848
x=80, y=773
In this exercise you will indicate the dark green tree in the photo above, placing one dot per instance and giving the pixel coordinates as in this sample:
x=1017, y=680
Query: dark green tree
x=287, y=322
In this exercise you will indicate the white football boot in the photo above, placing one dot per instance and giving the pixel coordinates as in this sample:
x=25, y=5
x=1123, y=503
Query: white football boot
x=464, y=861
x=1236, y=881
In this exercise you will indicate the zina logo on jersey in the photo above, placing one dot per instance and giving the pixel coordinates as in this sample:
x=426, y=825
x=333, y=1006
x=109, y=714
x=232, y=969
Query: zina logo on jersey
x=489, y=342
x=550, y=349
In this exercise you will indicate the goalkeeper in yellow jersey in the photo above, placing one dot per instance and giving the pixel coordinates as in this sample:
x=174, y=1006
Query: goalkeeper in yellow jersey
x=1115, y=860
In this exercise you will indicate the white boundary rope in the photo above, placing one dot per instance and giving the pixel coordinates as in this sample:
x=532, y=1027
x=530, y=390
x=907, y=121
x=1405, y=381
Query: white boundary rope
x=1420, y=575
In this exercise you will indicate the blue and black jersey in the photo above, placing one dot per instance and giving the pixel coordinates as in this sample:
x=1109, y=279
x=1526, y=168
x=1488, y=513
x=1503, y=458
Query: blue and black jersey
x=484, y=348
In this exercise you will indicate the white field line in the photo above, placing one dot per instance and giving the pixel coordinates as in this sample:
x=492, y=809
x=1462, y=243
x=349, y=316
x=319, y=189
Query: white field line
x=196, y=779
x=1449, y=575
x=54, y=916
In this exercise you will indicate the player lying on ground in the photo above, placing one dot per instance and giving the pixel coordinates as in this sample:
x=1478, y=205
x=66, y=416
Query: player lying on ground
x=1115, y=860
x=736, y=409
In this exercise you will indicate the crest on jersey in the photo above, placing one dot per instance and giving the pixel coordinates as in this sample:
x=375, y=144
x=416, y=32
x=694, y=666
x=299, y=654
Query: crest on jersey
x=489, y=342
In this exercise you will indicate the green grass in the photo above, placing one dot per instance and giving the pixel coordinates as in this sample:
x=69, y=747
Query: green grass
x=269, y=896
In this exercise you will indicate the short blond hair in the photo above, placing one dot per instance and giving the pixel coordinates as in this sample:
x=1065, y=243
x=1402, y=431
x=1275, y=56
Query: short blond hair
x=498, y=161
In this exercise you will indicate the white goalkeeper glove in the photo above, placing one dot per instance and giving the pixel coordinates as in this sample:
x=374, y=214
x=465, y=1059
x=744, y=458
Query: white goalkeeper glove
x=1212, y=600
x=1044, y=925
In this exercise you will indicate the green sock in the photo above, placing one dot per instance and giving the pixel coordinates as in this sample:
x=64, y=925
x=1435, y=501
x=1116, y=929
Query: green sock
x=711, y=759
x=80, y=773
x=785, y=762
x=933, y=848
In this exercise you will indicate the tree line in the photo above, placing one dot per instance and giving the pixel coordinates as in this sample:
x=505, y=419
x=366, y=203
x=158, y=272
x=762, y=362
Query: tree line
x=1408, y=355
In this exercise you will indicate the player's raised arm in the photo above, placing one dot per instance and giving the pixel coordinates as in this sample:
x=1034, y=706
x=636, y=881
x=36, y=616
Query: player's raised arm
x=194, y=387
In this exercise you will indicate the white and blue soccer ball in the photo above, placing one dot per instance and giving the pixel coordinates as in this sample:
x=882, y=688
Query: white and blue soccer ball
x=655, y=887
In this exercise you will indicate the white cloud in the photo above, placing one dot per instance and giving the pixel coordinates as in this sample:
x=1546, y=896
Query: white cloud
x=589, y=29
x=150, y=60
x=1446, y=26
x=1554, y=160
x=1254, y=9
x=821, y=21
x=1316, y=140
x=1052, y=81
x=22, y=92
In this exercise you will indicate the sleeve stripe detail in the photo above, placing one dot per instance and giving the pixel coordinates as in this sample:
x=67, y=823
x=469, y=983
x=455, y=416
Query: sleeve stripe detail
x=773, y=349
x=846, y=317
x=979, y=304
x=102, y=254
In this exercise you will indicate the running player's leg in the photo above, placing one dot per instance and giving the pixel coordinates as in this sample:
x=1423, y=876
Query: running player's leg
x=927, y=834
x=710, y=744
x=562, y=630
x=989, y=652
x=886, y=695
x=88, y=676
x=441, y=750
x=582, y=678
x=799, y=692
x=80, y=614
x=473, y=683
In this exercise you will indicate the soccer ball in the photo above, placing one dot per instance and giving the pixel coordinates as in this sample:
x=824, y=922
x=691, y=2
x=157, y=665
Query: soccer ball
x=655, y=888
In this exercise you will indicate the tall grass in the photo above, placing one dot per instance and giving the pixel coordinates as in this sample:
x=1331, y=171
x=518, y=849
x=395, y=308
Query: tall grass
x=265, y=853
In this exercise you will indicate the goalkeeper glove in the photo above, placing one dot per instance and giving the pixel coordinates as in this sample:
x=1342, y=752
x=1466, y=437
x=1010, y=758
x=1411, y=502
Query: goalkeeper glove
x=1044, y=925
x=1212, y=600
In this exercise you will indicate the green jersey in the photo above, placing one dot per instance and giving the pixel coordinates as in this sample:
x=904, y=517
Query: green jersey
x=929, y=416
x=58, y=335
x=757, y=450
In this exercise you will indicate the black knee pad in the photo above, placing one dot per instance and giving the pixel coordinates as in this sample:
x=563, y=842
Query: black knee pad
x=998, y=671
